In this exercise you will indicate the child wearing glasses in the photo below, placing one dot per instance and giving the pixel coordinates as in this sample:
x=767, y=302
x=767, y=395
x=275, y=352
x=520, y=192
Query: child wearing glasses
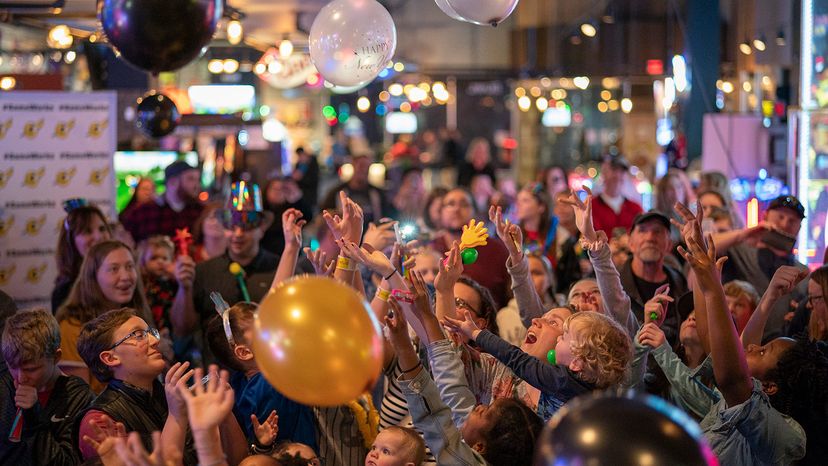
x=38, y=418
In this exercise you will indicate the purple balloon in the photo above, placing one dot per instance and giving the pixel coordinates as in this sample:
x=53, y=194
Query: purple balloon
x=159, y=35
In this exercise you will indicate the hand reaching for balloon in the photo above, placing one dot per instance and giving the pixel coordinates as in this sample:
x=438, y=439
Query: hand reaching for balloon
x=583, y=214
x=784, y=280
x=317, y=259
x=651, y=335
x=376, y=261
x=655, y=310
x=691, y=228
x=208, y=406
x=107, y=434
x=349, y=226
x=703, y=260
x=465, y=326
x=397, y=328
x=450, y=270
x=267, y=431
x=292, y=224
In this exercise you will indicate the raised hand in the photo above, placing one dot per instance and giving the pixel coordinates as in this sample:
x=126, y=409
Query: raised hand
x=131, y=452
x=583, y=213
x=450, y=270
x=376, y=260
x=379, y=237
x=177, y=377
x=318, y=260
x=184, y=271
x=397, y=326
x=292, y=224
x=107, y=434
x=657, y=305
x=207, y=406
x=465, y=326
x=703, y=260
x=422, y=303
x=651, y=335
x=691, y=228
x=267, y=431
x=784, y=281
x=349, y=226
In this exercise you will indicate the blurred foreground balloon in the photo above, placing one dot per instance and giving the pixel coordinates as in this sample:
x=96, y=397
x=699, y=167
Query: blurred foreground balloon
x=483, y=12
x=317, y=341
x=157, y=115
x=622, y=429
x=351, y=41
x=159, y=35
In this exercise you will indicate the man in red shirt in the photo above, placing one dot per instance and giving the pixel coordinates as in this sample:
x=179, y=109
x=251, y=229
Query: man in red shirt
x=611, y=210
x=177, y=208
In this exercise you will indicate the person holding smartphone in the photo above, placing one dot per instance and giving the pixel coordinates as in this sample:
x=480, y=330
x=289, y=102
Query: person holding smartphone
x=756, y=253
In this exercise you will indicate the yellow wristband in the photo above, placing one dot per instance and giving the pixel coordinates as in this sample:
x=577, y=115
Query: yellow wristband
x=383, y=294
x=343, y=263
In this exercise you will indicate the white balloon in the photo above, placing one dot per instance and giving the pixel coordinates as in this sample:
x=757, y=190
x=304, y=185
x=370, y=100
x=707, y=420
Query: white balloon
x=343, y=89
x=351, y=41
x=483, y=12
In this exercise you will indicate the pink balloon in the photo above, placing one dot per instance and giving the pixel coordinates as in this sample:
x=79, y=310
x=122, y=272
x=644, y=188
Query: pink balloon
x=351, y=41
x=483, y=12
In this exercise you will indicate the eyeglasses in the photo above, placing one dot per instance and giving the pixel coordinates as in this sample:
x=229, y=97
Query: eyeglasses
x=811, y=299
x=461, y=303
x=139, y=336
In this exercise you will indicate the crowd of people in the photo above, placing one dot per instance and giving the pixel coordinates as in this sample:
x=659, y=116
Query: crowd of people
x=146, y=356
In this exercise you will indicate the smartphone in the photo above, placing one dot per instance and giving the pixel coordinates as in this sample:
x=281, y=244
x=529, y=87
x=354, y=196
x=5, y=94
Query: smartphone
x=778, y=240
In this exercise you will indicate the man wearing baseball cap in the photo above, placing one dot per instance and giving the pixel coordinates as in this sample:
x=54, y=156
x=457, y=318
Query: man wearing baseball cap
x=754, y=254
x=611, y=210
x=645, y=272
x=177, y=208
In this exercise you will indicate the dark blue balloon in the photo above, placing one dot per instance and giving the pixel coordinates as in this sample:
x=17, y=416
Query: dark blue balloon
x=157, y=115
x=159, y=35
x=622, y=429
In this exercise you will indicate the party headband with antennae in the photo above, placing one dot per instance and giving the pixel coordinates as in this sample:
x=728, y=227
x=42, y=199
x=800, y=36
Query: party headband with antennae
x=223, y=310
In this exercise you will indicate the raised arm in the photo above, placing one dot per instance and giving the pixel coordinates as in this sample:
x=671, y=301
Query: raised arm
x=292, y=223
x=689, y=229
x=450, y=270
x=783, y=282
x=729, y=364
x=530, y=305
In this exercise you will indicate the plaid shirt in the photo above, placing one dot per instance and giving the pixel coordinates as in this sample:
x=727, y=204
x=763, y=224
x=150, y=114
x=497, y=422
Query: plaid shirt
x=158, y=218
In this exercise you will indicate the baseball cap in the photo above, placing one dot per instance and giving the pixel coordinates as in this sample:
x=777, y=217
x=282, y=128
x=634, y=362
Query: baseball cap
x=790, y=202
x=177, y=168
x=651, y=215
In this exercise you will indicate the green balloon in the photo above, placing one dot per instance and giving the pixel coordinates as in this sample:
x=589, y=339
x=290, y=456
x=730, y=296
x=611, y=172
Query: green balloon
x=550, y=356
x=469, y=256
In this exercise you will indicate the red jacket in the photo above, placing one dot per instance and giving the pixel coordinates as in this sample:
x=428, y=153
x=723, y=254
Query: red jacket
x=604, y=218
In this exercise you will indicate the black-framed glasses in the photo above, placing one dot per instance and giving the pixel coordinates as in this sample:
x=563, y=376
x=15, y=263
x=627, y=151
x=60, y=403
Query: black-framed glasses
x=461, y=303
x=139, y=336
x=812, y=299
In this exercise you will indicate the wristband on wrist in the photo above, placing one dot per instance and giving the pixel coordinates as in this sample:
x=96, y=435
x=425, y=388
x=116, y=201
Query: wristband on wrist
x=383, y=294
x=390, y=275
x=344, y=263
x=412, y=369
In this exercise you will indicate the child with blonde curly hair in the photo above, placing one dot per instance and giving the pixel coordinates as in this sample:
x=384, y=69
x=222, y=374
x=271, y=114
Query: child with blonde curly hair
x=593, y=352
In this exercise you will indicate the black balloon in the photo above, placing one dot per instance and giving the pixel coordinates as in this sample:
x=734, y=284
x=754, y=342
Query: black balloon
x=157, y=115
x=622, y=429
x=159, y=35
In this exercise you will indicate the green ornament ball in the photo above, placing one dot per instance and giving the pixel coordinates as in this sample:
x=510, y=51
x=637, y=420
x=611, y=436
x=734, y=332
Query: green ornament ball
x=469, y=256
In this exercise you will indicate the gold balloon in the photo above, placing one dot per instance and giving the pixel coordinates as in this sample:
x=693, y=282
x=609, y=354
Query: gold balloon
x=317, y=341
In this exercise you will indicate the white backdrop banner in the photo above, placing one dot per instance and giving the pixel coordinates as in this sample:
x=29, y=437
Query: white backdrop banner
x=54, y=146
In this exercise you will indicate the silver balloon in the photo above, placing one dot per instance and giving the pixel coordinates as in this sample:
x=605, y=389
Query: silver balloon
x=351, y=41
x=483, y=12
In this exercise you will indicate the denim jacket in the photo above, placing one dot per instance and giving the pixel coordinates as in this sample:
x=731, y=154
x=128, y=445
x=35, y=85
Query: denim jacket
x=440, y=407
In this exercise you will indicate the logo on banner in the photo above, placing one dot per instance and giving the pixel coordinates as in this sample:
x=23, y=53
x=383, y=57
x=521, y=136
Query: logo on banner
x=32, y=177
x=6, y=175
x=32, y=129
x=4, y=128
x=63, y=128
x=64, y=177
x=35, y=273
x=97, y=177
x=34, y=224
x=5, y=225
x=96, y=128
x=6, y=274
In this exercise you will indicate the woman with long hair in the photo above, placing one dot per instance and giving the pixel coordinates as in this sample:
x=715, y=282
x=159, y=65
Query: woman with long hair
x=108, y=279
x=82, y=228
x=534, y=212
